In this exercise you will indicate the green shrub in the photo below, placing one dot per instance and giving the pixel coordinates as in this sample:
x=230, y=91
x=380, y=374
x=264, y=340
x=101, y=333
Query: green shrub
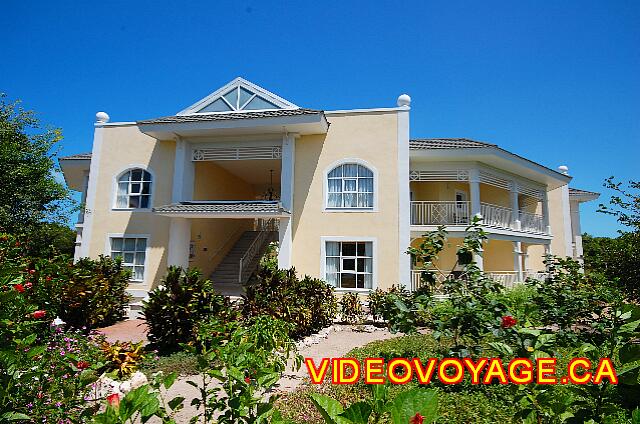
x=179, y=304
x=95, y=294
x=520, y=303
x=382, y=302
x=351, y=308
x=308, y=303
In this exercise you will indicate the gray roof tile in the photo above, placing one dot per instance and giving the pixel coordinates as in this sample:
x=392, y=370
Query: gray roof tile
x=447, y=143
x=79, y=156
x=579, y=192
x=203, y=117
x=223, y=207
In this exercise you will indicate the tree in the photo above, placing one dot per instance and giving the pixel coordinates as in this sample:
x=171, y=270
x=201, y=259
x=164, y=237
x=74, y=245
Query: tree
x=618, y=258
x=29, y=194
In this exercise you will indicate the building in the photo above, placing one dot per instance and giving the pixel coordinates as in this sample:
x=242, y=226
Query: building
x=344, y=192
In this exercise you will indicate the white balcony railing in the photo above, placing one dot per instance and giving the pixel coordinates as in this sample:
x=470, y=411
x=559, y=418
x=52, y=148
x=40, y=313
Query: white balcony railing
x=458, y=213
x=439, y=213
x=508, y=279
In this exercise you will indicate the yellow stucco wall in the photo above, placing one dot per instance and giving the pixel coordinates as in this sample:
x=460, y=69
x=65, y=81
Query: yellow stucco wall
x=447, y=258
x=536, y=256
x=212, y=182
x=371, y=137
x=123, y=148
x=498, y=255
x=556, y=221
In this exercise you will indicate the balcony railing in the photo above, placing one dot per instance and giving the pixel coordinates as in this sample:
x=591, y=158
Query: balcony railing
x=458, y=213
x=508, y=279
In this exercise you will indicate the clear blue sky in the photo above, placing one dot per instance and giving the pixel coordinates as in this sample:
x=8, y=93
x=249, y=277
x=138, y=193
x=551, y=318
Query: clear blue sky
x=557, y=82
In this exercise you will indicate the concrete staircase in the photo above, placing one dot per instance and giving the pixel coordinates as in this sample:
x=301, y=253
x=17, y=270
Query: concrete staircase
x=226, y=275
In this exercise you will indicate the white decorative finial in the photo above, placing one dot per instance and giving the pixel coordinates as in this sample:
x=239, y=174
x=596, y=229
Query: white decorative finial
x=102, y=117
x=404, y=100
x=563, y=169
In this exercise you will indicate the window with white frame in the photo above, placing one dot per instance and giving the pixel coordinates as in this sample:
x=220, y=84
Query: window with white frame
x=350, y=186
x=134, y=189
x=349, y=264
x=133, y=251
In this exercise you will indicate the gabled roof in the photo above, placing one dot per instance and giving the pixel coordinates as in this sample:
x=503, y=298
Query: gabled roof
x=222, y=208
x=237, y=96
x=203, y=117
x=79, y=156
x=582, y=195
x=446, y=143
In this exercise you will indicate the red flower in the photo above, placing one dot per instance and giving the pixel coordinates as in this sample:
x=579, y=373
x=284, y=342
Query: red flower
x=17, y=244
x=19, y=287
x=247, y=380
x=39, y=314
x=508, y=321
x=416, y=419
x=32, y=271
x=114, y=400
x=81, y=365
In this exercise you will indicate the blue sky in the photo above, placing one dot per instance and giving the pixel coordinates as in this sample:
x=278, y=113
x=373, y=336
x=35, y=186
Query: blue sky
x=557, y=82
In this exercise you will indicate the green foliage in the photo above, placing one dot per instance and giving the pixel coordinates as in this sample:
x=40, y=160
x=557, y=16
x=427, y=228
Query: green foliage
x=269, y=259
x=519, y=301
x=351, y=309
x=142, y=404
x=176, y=307
x=47, y=377
x=308, y=303
x=411, y=406
x=49, y=239
x=382, y=303
x=29, y=193
x=95, y=293
x=246, y=364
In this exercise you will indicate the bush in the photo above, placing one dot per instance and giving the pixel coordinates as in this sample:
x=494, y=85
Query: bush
x=308, y=303
x=351, y=309
x=382, y=303
x=95, y=294
x=176, y=307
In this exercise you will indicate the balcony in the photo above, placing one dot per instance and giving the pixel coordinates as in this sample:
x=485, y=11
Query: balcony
x=458, y=213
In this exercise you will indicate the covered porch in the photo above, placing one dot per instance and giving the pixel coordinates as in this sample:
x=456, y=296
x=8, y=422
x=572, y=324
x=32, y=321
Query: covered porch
x=508, y=261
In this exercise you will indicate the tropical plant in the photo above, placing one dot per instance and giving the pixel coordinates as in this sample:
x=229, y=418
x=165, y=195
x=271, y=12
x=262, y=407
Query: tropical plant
x=246, y=364
x=174, y=309
x=95, y=294
x=351, y=309
x=413, y=406
x=123, y=357
x=308, y=303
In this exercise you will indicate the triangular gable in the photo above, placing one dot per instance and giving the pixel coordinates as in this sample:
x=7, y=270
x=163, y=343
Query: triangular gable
x=237, y=96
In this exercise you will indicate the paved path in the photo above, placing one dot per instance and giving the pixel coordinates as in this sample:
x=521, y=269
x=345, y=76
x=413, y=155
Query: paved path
x=337, y=344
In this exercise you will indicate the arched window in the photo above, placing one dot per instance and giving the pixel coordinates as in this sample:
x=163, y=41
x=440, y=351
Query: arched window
x=350, y=186
x=134, y=189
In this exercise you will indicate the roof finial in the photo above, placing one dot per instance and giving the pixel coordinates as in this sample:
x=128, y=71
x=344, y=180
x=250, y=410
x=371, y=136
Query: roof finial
x=102, y=117
x=563, y=169
x=404, y=100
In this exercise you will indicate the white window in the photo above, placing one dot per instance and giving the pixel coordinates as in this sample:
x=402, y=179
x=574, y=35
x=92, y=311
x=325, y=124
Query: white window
x=134, y=190
x=133, y=251
x=349, y=264
x=350, y=186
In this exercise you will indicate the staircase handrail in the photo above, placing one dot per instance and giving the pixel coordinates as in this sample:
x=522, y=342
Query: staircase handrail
x=251, y=252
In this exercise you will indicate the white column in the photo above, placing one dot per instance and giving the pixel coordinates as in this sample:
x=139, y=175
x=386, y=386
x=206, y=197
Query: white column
x=517, y=260
x=545, y=211
x=515, y=207
x=566, y=220
x=287, y=176
x=404, y=200
x=179, y=240
x=479, y=260
x=287, y=173
x=183, y=173
x=474, y=191
x=285, y=240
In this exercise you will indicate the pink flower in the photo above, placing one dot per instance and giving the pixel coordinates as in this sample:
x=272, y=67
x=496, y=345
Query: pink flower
x=508, y=321
x=114, y=400
x=39, y=314
x=416, y=419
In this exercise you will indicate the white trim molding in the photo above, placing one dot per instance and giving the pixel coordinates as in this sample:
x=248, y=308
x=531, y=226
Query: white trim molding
x=404, y=198
x=92, y=191
x=325, y=186
x=374, y=255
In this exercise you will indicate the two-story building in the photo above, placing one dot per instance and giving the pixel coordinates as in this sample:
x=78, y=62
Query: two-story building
x=344, y=193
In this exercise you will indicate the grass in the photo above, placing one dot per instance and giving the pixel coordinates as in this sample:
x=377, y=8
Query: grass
x=462, y=403
x=182, y=363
